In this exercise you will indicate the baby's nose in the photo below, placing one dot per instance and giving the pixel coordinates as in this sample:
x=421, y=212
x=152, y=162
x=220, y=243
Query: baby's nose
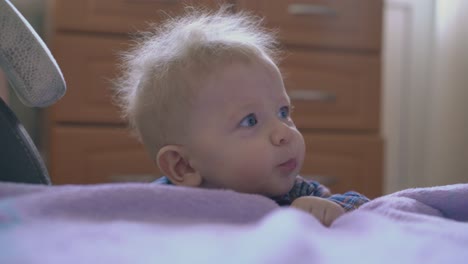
x=281, y=135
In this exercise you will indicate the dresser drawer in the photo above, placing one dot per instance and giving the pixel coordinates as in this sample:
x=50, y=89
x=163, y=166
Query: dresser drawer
x=345, y=162
x=88, y=64
x=118, y=16
x=333, y=90
x=354, y=24
x=84, y=155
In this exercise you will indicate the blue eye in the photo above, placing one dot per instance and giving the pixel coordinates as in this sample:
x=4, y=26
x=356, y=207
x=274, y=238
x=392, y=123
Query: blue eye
x=284, y=112
x=249, y=121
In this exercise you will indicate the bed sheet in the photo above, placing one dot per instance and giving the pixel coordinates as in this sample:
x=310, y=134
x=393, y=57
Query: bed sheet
x=147, y=223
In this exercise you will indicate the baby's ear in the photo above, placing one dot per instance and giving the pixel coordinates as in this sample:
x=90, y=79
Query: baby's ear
x=173, y=162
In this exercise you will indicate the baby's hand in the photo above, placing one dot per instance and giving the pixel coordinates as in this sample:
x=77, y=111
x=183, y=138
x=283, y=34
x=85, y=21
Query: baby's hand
x=324, y=210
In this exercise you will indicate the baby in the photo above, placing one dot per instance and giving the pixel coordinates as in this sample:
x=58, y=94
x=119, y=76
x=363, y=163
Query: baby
x=207, y=100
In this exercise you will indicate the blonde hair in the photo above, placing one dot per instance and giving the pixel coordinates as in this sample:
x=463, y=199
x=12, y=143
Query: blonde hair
x=166, y=67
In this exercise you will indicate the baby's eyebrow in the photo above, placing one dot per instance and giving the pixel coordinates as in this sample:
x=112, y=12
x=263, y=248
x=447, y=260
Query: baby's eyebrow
x=285, y=101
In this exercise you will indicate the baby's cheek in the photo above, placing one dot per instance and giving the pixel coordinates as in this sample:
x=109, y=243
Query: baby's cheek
x=256, y=169
x=299, y=144
x=251, y=160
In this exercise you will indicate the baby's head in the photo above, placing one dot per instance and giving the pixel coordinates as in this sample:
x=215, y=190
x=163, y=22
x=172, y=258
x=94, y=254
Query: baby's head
x=206, y=99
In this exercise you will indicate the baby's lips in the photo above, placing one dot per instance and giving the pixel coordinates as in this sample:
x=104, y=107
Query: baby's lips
x=290, y=164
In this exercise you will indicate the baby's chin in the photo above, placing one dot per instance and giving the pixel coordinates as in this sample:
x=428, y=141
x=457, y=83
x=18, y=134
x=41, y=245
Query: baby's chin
x=280, y=190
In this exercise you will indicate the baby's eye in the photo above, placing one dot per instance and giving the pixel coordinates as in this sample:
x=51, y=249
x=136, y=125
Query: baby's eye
x=249, y=121
x=284, y=112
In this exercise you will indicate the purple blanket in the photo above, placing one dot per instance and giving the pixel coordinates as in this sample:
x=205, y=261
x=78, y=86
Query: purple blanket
x=147, y=223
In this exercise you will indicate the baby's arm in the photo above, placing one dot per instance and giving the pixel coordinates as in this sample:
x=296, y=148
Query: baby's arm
x=324, y=210
x=349, y=200
x=316, y=199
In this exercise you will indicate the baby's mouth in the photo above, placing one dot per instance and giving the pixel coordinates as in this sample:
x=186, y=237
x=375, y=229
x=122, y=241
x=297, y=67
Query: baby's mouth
x=288, y=165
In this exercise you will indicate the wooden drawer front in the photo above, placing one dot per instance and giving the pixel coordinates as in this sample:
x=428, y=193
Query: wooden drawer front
x=333, y=90
x=84, y=155
x=88, y=64
x=354, y=24
x=345, y=162
x=118, y=16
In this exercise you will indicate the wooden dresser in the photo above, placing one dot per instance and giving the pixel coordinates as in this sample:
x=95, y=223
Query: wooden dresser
x=332, y=72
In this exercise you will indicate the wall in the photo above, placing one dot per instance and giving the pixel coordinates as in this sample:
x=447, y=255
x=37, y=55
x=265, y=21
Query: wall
x=425, y=93
x=447, y=159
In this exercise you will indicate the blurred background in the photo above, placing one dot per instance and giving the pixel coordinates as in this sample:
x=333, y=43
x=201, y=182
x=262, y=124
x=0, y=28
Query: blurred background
x=425, y=91
x=423, y=78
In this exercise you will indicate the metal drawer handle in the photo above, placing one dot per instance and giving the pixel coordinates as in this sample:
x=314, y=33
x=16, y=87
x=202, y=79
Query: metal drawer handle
x=312, y=95
x=325, y=180
x=151, y=1
x=310, y=10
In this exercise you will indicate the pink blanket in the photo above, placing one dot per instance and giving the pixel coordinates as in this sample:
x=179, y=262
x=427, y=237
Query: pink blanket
x=147, y=223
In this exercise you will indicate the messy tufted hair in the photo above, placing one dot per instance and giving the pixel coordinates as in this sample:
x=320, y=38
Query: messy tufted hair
x=165, y=68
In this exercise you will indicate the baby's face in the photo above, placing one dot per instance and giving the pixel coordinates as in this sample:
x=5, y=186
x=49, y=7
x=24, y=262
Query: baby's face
x=241, y=135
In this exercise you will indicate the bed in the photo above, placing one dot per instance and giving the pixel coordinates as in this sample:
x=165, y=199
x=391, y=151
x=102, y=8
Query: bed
x=149, y=223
